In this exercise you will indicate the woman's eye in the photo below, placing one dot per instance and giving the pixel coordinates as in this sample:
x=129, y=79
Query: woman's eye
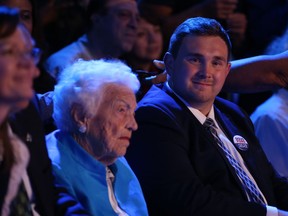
x=26, y=15
x=121, y=109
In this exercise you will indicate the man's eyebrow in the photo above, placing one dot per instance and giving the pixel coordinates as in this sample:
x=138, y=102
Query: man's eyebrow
x=194, y=54
x=221, y=58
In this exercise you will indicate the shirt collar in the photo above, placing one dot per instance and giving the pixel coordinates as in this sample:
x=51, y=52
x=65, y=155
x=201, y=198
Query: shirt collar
x=199, y=115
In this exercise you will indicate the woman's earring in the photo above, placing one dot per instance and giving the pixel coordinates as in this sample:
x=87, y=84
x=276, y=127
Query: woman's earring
x=82, y=129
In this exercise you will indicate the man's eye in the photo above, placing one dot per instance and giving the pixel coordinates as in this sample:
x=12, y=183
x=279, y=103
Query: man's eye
x=218, y=63
x=124, y=14
x=193, y=60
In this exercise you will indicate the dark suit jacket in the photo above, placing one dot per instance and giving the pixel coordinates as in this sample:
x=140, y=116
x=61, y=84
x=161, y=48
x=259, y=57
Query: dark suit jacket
x=181, y=169
x=50, y=200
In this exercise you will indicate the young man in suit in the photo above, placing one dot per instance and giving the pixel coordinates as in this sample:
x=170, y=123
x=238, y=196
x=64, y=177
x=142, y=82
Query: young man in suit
x=184, y=165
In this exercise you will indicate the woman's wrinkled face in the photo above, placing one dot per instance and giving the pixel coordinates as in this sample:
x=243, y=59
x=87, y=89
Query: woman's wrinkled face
x=25, y=11
x=110, y=130
x=17, y=69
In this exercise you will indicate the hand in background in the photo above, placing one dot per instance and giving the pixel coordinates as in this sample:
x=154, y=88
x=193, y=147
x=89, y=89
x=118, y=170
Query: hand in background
x=282, y=213
x=236, y=25
x=218, y=9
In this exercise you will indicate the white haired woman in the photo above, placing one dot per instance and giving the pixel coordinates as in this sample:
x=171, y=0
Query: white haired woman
x=94, y=106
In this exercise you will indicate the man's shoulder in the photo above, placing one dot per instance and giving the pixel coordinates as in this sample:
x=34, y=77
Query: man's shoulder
x=160, y=105
x=68, y=51
x=227, y=106
x=232, y=112
x=65, y=56
x=157, y=96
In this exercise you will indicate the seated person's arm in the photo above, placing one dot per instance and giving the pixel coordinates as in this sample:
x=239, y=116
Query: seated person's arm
x=259, y=73
x=67, y=205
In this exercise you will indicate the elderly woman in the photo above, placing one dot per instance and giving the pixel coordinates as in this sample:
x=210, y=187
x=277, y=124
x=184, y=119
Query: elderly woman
x=94, y=105
x=17, y=71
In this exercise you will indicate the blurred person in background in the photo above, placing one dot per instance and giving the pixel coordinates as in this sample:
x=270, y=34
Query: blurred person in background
x=29, y=17
x=112, y=29
x=147, y=47
x=169, y=14
x=17, y=72
x=270, y=118
x=27, y=185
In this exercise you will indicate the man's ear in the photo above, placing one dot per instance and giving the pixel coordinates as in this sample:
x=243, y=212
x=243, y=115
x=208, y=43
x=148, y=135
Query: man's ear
x=228, y=69
x=169, y=63
x=78, y=114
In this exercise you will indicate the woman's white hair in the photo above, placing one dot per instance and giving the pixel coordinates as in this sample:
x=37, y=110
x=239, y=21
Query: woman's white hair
x=81, y=83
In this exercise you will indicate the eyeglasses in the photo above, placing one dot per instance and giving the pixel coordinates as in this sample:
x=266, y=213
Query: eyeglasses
x=33, y=54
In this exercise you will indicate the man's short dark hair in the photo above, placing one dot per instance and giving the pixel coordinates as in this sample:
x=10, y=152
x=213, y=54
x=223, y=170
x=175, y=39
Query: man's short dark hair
x=198, y=26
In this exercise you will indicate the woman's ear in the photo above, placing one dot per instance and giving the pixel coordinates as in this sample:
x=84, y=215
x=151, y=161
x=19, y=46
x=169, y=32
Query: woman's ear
x=78, y=114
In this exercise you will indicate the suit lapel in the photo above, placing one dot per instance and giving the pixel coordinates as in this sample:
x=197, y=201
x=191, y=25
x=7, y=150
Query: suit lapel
x=204, y=135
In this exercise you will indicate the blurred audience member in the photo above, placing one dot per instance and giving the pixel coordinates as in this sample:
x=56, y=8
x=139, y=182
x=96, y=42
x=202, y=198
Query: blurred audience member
x=169, y=14
x=33, y=184
x=63, y=22
x=271, y=118
x=29, y=17
x=17, y=71
x=147, y=47
x=267, y=19
x=111, y=33
x=94, y=105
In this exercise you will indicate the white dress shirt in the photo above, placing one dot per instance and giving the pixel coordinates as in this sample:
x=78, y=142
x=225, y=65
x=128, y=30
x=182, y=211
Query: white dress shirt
x=271, y=211
x=270, y=120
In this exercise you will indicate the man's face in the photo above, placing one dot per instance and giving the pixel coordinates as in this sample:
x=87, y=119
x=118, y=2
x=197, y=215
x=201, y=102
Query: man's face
x=199, y=70
x=110, y=130
x=120, y=25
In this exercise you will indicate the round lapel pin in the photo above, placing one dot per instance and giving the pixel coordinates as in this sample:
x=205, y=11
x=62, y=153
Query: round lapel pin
x=240, y=142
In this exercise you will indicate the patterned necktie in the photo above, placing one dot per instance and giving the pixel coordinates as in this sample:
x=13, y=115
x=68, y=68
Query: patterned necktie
x=248, y=185
x=20, y=206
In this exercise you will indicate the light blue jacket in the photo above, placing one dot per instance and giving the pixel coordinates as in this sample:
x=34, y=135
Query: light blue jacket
x=85, y=178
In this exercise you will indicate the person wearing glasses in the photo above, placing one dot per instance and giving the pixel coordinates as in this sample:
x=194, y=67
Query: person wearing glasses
x=30, y=18
x=27, y=184
x=17, y=71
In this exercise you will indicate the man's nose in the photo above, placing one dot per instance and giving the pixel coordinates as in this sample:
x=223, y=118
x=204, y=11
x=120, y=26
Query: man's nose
x=205, y=70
